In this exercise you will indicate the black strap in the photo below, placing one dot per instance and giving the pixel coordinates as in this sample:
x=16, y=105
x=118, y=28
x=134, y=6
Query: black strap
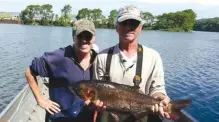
x=137, y=78
x=93, y=56
x=108, y=62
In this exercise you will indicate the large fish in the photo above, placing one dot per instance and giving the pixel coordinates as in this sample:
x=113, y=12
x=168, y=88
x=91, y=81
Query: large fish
x=123, y=98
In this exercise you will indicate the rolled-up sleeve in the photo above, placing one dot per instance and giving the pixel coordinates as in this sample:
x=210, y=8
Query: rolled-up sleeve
x=39, y=66
x=98, y=68
x=157, y=77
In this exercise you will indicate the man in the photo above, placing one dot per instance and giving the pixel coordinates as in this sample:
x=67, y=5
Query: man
x=131, y=63
x=65, y=66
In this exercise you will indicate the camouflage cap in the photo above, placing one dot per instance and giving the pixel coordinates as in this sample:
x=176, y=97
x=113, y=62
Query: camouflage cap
x=83, y=25
x=129, y=12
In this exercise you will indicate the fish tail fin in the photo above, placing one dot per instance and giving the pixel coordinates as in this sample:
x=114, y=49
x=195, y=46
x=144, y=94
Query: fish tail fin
x=175, y=106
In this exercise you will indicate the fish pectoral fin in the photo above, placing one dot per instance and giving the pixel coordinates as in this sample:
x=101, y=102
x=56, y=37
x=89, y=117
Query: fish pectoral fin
x=115, y=116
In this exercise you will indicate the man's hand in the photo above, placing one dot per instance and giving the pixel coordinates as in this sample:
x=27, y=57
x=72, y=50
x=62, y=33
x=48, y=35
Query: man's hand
x=50, y=106
x=98, y=105
x=164, y=101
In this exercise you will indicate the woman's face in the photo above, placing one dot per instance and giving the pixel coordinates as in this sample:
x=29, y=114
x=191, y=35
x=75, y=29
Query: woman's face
x=84, y=41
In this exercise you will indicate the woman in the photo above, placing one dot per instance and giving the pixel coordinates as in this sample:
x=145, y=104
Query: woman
x=65, y=66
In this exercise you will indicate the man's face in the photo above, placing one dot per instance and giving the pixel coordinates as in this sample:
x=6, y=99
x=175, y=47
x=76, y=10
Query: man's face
x=84, y=41
x=128, y=30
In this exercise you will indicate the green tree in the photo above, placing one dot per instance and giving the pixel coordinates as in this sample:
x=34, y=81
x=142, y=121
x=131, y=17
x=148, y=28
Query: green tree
x=84, y=13
x=112, y=18
x=56, y=20
x=46, y=14
x=149, y=19
x=30, y=15
x=97, y=17
x=94, y=15
x=178, y=21
x=190, y=19
x=65, y=18
x=209, y=24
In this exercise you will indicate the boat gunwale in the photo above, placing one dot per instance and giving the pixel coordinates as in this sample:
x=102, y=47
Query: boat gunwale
x=12, y=103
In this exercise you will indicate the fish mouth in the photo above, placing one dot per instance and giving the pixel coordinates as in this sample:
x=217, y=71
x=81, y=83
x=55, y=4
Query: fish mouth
x=83, y=91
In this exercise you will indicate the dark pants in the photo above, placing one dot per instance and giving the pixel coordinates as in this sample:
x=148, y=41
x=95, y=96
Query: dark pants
x=62, y=120
x=106, y=117
x=78, y=119
x=84, y=116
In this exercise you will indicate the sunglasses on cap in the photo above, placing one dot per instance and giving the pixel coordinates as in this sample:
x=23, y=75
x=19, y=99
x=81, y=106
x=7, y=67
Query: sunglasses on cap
x=85, y=36
x=130, y=23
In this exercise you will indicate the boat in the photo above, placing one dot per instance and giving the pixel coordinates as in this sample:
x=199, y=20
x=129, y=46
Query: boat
x=24, y=108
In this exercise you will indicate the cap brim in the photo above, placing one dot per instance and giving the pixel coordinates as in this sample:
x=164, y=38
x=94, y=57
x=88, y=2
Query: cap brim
x=82, y=30
x=126, y=17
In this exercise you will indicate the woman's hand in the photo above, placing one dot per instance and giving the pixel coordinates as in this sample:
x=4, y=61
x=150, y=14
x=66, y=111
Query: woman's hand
x=50, y=106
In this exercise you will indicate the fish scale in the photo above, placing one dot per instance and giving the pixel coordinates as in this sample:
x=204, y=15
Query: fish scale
x=123, y=100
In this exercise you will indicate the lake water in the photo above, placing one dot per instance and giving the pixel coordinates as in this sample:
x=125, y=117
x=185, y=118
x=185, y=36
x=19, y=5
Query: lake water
x=191, y=61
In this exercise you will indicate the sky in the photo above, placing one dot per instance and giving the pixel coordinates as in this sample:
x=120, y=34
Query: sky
x=203, y=8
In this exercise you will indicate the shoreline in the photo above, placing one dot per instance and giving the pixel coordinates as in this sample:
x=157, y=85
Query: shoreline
x=5, y=21
x=20, y=22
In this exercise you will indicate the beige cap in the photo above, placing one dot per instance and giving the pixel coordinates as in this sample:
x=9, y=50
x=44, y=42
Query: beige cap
x=83, y=25
x=129, y=12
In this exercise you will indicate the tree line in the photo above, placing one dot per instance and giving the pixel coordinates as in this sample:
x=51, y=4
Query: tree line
x=43, y=15
x=210, y=24
x=174, y=21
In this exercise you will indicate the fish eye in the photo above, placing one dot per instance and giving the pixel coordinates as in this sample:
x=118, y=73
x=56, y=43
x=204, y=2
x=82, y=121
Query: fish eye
x=81, y=92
